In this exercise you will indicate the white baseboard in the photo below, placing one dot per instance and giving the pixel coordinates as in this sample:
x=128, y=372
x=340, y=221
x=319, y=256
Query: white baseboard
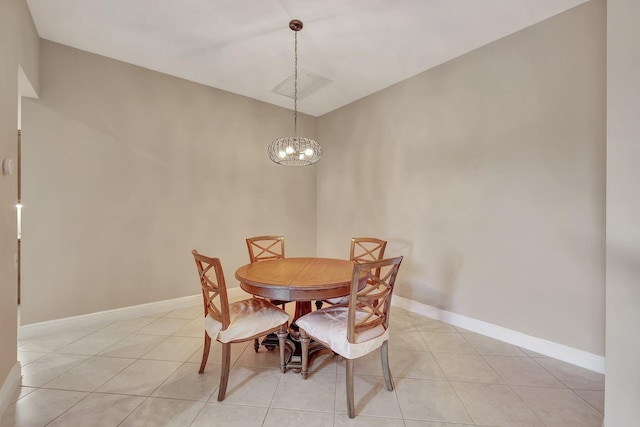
x=9, y=387
x=40, y=328
x=581, y=358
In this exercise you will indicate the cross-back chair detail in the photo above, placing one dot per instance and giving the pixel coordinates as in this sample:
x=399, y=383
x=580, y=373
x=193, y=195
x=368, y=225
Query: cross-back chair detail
x=363, y=249
x=367, y=249
x=213, y=290
x=359, y=326
x=263, y=248
x=372, y=301
x=239, y=321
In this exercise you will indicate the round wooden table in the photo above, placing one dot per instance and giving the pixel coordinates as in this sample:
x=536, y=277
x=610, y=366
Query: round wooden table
x=297, y=279
x=301, y=280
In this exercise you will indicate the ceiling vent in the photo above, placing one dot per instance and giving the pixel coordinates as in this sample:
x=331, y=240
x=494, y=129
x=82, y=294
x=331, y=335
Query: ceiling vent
x=308, y=83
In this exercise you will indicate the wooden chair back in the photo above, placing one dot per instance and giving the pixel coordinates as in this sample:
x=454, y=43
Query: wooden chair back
x=367, y=249
x=263, y=248
x=374, y=299
x=214, y=288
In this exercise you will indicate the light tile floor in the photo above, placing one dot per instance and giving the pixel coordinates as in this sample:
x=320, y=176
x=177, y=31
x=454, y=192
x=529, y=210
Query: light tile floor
x=144, y=372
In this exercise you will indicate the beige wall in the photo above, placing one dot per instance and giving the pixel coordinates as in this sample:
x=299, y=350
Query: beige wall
x=19, y=47
x=623, y=211
x=488, y=174
x=127, y=170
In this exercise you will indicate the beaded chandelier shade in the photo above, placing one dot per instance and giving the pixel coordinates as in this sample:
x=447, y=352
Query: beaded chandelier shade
x=295, y=150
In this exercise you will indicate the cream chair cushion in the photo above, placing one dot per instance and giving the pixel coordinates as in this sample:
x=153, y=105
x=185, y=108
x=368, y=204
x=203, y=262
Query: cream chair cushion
x=329, y=326
x=338, y=300
x=345, y=300
x=248, y=318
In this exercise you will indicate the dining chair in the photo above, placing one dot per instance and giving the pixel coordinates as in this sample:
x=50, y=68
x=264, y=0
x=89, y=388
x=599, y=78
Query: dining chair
x=362, y=249
x=236, y=322
x=358, y=327
x=266, y=248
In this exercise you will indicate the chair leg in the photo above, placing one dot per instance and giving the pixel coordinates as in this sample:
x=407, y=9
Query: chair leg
x=282, y=343
x=350, y=406
x=205, y=352
x=304, y=344
x=384, y=355
x=256, y=344
x=224, y=371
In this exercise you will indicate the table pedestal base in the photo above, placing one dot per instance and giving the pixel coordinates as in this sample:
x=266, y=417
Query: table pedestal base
x=294, y=361
x=294, y=356
x=294, y=349
x=270, y=342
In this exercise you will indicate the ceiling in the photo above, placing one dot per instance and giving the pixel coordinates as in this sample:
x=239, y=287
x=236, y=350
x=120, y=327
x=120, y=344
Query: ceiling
x=246, y=46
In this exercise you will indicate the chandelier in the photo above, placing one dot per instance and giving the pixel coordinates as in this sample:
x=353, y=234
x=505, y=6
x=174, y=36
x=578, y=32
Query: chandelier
x=295, y=150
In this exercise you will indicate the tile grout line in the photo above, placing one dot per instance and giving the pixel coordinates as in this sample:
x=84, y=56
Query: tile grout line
x=533, y=411
x=567, y=386
x=453, y=388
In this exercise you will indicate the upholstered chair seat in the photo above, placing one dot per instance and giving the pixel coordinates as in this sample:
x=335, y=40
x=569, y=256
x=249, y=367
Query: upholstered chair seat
x=248, y=318
x=329, y=326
